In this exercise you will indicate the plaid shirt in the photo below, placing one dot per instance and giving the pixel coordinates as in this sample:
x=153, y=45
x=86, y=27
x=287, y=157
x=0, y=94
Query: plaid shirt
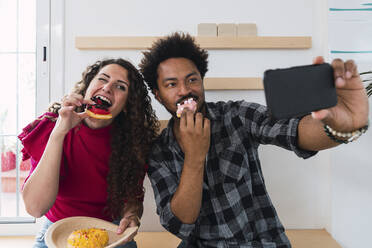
x=236, y=209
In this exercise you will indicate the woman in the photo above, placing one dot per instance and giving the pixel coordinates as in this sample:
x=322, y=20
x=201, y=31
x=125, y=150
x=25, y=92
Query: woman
x=82, y=166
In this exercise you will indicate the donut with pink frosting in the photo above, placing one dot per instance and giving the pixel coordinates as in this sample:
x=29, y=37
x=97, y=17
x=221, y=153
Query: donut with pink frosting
x=189, y=103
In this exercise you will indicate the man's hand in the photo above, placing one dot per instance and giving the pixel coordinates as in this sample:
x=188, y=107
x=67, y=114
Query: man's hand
x=194, y=136
x=351, y=111
x=194, y=139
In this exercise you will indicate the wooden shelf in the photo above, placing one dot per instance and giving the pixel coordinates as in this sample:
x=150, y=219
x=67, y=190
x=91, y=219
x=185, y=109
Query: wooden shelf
x=233, y=84
x=144, y=42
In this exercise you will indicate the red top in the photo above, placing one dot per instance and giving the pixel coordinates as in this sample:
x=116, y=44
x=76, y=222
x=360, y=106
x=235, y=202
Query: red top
x=84, y=167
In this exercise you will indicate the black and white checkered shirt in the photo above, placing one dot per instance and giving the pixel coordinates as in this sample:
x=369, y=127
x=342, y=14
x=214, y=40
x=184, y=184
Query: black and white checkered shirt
x=236, y=209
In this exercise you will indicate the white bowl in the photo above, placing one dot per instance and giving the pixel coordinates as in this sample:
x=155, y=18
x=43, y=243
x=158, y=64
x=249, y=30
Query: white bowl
x=57, y=234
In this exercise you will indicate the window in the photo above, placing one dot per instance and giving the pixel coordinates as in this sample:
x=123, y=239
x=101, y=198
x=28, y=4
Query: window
x=24, y=62
x=354, y=16
x=17, y=103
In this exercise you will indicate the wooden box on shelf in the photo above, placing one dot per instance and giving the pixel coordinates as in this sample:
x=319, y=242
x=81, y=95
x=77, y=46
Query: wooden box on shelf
x=207, y=29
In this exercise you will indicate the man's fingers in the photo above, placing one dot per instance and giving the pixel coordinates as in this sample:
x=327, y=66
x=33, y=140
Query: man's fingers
x=183, y=121
x=318, y=60
x=351, y=69
x=207, y=126
x=339, y=72
x=198, y=121
x=321, y=114
x=190, y=118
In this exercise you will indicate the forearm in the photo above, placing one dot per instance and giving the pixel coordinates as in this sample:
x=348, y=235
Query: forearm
x=186, y=201
x=311, y=135
x=40, y=190
x=133, y=208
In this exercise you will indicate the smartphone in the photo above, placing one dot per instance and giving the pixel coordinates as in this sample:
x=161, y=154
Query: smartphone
x=297, y=91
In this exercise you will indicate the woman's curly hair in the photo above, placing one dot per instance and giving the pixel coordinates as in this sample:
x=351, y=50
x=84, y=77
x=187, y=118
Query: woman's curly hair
x=177, y=45
x=132, y=135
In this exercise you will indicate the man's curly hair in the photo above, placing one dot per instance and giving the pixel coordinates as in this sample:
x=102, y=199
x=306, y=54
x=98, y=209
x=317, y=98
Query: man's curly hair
x=177, y=45
x=132, y=135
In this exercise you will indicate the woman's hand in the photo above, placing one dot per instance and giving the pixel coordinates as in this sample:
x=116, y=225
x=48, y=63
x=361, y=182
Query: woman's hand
x=45, y=177
x=128, y=221
x=351, y=111
x=68, y=118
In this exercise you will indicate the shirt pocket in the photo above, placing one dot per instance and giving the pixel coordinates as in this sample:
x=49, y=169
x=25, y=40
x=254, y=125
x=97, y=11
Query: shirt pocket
x=233, y=163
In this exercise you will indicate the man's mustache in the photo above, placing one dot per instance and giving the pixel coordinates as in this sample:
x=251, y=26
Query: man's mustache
x=182, y=99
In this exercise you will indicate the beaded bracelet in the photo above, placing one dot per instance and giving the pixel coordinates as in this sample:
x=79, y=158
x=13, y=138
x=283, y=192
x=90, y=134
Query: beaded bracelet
x=351, y=136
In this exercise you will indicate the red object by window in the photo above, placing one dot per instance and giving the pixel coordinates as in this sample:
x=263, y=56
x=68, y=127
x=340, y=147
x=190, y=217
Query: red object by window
x=8, y=161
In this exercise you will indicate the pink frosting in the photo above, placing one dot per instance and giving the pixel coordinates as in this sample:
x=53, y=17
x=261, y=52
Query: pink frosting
x=189, y=103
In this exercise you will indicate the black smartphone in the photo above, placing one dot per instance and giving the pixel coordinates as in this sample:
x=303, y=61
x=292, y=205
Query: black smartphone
x=297, y=91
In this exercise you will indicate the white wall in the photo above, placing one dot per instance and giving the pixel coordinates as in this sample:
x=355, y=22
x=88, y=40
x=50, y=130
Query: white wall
x=351, y=166
x=352, y=192
x=299, y=189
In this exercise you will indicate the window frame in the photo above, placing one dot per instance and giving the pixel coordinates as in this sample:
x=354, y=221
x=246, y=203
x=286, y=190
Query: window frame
x=49, y=27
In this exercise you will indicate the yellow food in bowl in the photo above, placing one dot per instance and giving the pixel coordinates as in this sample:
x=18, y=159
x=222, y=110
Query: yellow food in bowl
x=88, y=238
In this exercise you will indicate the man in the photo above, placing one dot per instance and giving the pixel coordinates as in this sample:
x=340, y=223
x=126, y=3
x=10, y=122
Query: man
x=204, y=167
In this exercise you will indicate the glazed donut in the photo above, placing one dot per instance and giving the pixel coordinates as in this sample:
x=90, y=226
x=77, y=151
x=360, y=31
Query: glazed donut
x=98, y=113
x=100, y=109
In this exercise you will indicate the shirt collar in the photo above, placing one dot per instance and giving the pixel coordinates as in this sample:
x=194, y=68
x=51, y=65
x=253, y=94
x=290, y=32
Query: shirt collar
x=212, y=112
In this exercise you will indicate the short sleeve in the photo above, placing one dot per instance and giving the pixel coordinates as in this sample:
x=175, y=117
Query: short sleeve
x=35, y=136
